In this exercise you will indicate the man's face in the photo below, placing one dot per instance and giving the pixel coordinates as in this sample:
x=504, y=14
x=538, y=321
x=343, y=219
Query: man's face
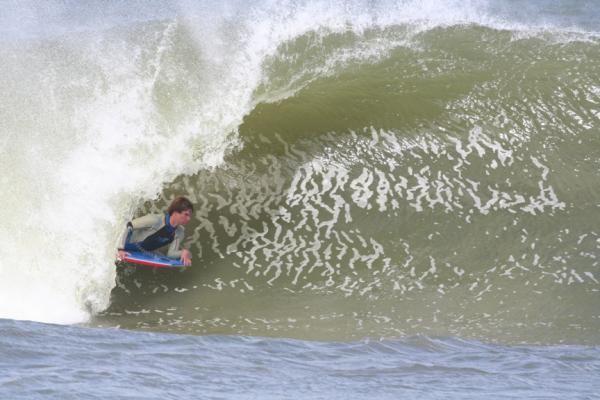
x=182, y=218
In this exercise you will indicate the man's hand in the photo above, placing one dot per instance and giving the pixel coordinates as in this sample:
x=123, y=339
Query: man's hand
x=186, y=257
x=121, y=254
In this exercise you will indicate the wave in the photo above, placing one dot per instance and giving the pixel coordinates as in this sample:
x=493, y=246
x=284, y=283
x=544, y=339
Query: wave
x=425, y=190
x=302, y=138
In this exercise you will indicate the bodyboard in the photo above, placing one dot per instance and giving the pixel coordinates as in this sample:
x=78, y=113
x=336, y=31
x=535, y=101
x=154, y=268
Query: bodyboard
x=149, y=259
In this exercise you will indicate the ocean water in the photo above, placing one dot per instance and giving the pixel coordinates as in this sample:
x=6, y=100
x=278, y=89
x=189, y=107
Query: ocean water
x=393, y=198
x=44, y=361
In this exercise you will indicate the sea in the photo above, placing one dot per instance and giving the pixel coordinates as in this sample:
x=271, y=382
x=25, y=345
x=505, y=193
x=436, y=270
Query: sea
x=393, y=199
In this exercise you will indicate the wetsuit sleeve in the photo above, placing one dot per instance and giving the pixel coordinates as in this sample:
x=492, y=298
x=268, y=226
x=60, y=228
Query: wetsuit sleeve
x=174, y=250
x=147, y=221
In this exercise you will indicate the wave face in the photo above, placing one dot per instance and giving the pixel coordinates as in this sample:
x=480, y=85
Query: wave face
x=359, y=169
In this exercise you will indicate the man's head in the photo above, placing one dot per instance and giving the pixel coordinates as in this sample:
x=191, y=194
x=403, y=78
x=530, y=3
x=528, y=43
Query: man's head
x=181, y=210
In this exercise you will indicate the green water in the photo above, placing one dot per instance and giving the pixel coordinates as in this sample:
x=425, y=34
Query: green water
x=444, y=186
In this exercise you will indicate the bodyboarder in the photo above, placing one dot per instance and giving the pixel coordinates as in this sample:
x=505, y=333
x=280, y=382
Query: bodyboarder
x=155, y=231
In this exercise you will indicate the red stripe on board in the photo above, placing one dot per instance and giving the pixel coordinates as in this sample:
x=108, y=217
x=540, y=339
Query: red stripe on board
x=149, y=263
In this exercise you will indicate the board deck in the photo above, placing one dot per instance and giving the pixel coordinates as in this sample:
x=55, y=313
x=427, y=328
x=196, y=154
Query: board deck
x=151, y=260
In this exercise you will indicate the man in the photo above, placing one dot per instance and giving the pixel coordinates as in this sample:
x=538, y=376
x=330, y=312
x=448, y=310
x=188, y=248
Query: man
x=154, y=231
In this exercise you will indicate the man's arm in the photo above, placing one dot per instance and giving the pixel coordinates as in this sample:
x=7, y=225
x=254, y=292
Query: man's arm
x=147, y=221
x=174, y=250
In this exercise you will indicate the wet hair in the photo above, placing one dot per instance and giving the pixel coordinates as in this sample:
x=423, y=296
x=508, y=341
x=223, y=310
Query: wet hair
x=180, y=204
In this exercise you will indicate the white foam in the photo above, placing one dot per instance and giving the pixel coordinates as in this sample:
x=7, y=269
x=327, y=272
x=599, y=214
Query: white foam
x=87, y=145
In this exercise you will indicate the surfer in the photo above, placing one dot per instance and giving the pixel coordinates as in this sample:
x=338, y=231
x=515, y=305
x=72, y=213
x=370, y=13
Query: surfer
x=153, y=231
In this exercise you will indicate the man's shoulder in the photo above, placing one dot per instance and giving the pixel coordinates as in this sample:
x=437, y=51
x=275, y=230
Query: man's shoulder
x=154, y=220
x=149, y=218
